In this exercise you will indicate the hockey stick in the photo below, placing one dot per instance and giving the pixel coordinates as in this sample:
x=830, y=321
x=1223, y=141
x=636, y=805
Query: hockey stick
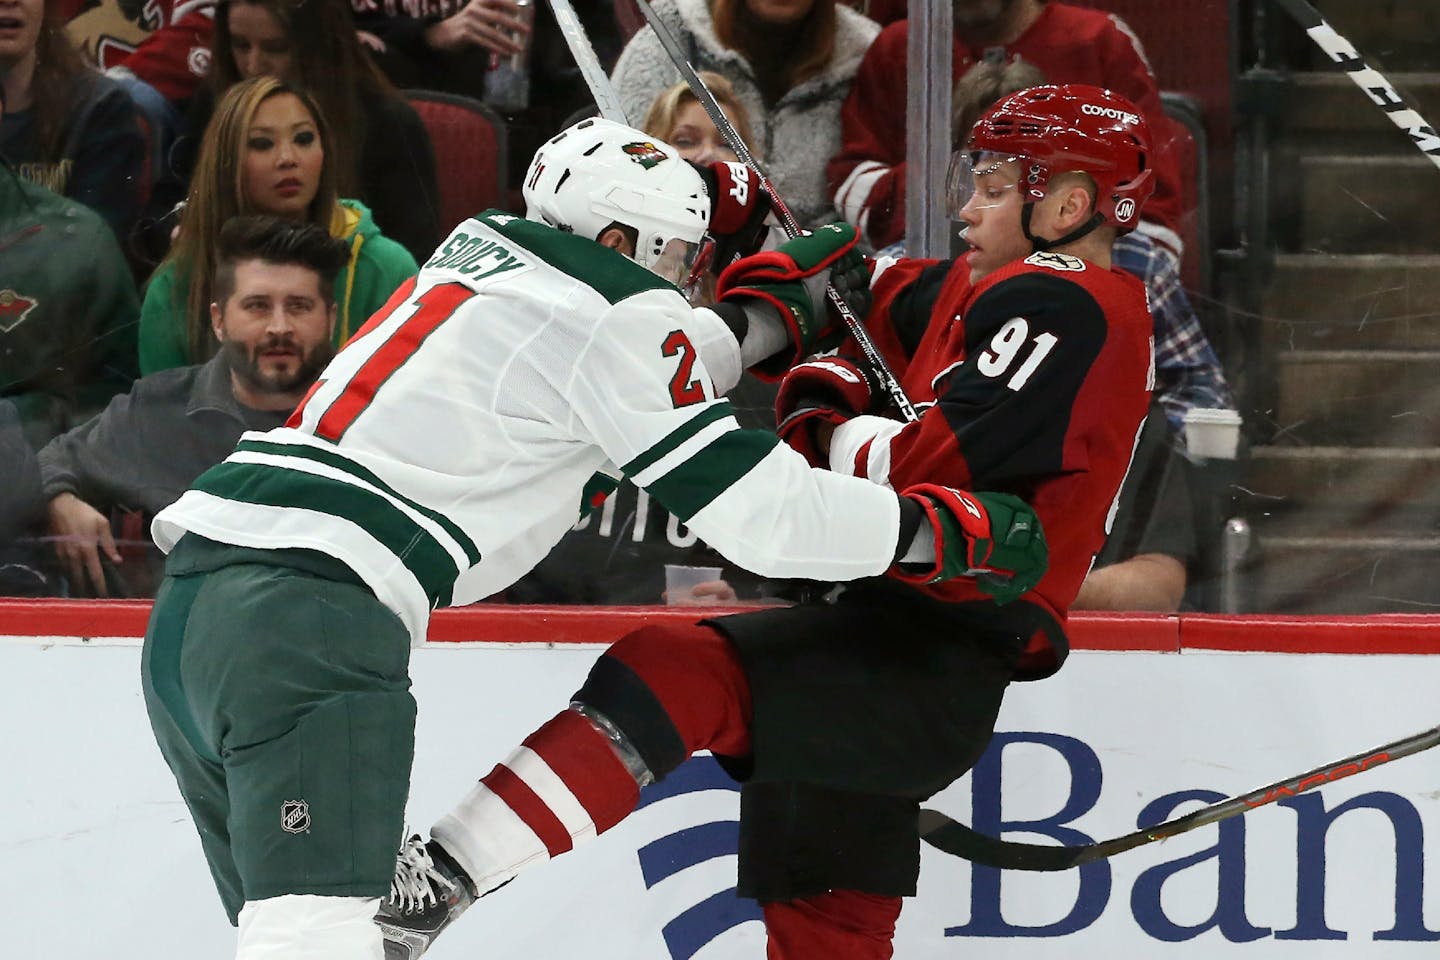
x=787, y=219
x=1367, y=78
x=595, y=77
x=953, y=837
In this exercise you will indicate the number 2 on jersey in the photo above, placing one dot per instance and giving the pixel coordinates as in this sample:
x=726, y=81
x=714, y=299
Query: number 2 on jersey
x=684, y=389
x=433, y=308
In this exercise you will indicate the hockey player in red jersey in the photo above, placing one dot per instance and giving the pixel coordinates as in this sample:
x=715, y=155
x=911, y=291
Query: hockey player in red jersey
x=1029, y=360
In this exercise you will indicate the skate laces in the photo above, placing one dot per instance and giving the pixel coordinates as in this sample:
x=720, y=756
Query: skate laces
x=418, y=882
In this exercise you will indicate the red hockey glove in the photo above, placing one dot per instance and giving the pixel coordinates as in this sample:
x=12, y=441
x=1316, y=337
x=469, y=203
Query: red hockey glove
x=994, y=537
x=738, y=208
x=827, y=390
x=792, y=279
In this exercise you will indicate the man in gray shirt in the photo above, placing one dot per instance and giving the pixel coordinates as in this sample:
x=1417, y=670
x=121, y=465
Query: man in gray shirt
x=21, y=507
x=273, y=317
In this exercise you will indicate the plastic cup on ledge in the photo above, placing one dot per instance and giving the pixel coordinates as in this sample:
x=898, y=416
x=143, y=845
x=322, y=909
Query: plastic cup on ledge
x=681, y=581
x=1212, y=434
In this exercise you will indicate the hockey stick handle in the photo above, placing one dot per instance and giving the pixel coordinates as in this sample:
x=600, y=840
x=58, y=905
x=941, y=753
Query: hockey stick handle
x=943, y=833
x=1366, y=77
x=791, y=226
x=580, y=48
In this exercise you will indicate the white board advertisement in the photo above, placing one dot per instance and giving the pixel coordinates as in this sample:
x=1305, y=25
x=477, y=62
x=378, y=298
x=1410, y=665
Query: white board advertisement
x=99, y=859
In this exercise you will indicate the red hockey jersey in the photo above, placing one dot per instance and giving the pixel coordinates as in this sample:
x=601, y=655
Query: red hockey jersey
x=1069, y=44
x=1033, y=381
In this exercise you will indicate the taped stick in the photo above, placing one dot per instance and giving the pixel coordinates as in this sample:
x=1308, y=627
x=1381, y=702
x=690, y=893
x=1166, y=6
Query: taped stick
x=787, y=219
x=953, y=837
x=1380, y=91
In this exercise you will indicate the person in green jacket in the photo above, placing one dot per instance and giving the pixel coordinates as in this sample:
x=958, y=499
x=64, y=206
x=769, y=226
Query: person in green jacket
x=263, y=153
x=67, y=309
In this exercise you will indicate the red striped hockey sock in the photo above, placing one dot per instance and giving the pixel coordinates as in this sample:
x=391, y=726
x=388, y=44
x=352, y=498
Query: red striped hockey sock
x=563, y=786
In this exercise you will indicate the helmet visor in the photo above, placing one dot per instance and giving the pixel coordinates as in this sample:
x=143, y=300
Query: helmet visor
x=676, y=261
x=980, y=181
x=695, y=288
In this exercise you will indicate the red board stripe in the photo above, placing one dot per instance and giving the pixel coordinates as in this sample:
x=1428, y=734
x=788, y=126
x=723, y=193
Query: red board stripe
x=528, y=806
x=1124, y=631
x=500, y=623
x=1405, y=633
x=73, y=618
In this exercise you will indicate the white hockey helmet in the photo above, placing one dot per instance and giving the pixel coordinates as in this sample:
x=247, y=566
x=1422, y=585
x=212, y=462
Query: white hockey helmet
x=599, y=172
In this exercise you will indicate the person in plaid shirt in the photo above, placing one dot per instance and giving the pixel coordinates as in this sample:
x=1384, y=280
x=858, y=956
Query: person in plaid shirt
x=1187, y=371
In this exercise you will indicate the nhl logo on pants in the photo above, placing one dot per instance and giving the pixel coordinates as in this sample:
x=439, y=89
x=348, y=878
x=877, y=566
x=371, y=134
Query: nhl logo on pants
x=294, y=816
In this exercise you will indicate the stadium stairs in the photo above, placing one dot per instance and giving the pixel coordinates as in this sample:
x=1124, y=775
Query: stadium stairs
x=1342, y=489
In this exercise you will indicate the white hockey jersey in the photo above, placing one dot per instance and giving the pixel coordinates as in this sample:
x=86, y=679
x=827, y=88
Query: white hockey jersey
x=449, y=444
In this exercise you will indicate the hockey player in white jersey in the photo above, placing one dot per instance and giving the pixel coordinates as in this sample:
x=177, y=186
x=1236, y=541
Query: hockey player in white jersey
x=443, y=452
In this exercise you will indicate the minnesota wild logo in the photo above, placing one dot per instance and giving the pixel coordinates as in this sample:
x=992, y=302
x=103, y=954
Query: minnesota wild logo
x=14, y=308
x=645, y=153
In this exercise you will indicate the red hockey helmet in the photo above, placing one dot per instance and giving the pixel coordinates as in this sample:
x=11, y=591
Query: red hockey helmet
x=1058, y=128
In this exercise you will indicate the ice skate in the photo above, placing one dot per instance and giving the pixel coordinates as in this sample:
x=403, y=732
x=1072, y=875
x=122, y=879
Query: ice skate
x=428, y=892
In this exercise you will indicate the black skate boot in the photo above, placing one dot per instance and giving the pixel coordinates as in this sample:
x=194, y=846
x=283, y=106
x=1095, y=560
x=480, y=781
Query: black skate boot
x=428, y=892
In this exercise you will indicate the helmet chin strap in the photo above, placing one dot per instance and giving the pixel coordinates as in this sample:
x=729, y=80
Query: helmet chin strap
x=1041, y=244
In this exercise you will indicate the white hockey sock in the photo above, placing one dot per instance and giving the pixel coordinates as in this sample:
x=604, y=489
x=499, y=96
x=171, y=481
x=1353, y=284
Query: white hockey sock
x=308, y=927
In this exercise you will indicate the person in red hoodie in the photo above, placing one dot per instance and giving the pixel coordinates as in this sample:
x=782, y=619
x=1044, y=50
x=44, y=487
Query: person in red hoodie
x=1030, y=362
x=1069, y=44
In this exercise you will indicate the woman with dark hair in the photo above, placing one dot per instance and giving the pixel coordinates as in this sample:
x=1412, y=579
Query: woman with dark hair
x=66, y=127
x=790, y=63
x=379, y=149
x=266, y=151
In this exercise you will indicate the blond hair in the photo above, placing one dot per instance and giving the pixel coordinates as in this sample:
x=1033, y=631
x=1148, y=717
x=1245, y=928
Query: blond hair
x=660, y=118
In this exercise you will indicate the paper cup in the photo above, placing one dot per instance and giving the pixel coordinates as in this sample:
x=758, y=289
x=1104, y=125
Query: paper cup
x=1213, y=434
x=681, y=581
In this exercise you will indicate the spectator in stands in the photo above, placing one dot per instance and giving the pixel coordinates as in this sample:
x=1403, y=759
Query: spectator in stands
x=677, y=117
x=163, y=43
x=1070, y=44
x=273, y=314
x=791, y=63
x=452, y=44
x=267, y=151
x=448, y=47
x=21, y=507
x=67, y=308
x=378, y=147
x=1152, y=547
x=65, y=126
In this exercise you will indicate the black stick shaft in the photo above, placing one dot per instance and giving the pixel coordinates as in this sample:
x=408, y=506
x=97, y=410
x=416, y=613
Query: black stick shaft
x=943, y=833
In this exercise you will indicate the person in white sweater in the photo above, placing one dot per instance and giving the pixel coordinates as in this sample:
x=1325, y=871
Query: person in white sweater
x=791, y=63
